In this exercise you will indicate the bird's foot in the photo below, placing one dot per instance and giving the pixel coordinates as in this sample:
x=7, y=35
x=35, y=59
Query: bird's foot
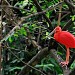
x=65, y=63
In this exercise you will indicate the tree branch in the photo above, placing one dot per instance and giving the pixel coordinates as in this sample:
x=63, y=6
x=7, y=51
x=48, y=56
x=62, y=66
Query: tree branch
x=69, y=3
x=67, y=25
x=9, y=34
x=40, y=9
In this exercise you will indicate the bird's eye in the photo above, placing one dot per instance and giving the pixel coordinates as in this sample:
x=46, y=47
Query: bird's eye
x=57, y=29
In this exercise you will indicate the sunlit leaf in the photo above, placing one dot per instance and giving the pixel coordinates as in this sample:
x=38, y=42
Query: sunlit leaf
x=10, y=39
x=16, y=35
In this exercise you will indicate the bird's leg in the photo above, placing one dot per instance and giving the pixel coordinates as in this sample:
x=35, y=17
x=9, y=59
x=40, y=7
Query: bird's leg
x=67, y=55
x=65, y=63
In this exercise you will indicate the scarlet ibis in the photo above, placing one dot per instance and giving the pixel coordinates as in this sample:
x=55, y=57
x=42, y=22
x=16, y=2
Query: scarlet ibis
x=65, y=38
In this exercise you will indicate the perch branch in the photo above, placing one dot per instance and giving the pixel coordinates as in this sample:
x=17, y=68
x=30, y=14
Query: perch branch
x=40, y=55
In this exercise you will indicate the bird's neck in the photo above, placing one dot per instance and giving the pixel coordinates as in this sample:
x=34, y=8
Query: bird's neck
x=56, y=35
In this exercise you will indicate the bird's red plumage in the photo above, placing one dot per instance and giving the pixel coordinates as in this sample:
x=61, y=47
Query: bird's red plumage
x=65, y=38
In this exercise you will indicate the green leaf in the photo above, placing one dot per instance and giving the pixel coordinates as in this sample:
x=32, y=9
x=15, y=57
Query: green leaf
x=38, y=66
x=16, y=35
x=59, y=53
x=44, y=65
x=22, y=4
x=74, y=23
x=33, y=9
x=10, y=40
x=14, y=61
x=47, y=33
x=73, y=18
x=45, y=68
x=25, y=25
x=74, y=33
x=25, y=2
x=72, y=65
x=14, y=68
x=47, y=14
x=51, y=65
x=60, y=74
x=23, y=31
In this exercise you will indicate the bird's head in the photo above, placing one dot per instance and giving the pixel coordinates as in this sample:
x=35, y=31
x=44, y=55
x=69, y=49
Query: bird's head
x=58, y=29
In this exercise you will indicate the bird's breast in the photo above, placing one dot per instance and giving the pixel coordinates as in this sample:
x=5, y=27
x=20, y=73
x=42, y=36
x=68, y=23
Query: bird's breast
x=57, y=36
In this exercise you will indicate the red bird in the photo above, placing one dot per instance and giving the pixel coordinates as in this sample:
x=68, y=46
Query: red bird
x=65, y=38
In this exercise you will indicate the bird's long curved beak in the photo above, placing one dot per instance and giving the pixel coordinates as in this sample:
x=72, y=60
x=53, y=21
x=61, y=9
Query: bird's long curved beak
x=51, y=33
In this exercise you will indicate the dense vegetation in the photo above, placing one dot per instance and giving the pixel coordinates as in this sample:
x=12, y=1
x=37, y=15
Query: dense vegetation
x=26, y=48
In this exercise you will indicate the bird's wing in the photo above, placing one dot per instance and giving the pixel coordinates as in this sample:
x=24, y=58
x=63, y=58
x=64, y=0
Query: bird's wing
x=67, y=39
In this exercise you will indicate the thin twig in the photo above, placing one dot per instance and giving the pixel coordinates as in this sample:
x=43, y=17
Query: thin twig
x=44, y=11
x=69, y=4
x=9, y=34
x=59, y=17
x=10, y=6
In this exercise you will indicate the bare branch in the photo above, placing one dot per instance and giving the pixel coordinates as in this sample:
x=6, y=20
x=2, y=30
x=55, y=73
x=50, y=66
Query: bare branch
x=9, y=34
x=69, y=3
x=68, y=24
